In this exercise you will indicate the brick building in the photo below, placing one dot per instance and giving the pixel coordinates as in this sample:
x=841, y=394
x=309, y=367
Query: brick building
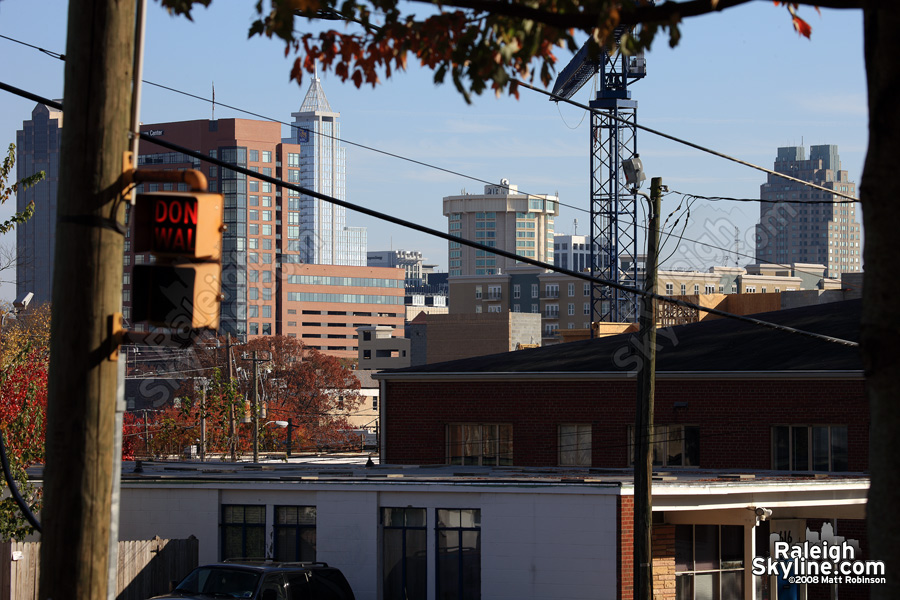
x=729, y=396
x=268, y=286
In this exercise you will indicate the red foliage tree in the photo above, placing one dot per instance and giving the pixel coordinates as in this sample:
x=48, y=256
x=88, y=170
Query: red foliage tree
x=23, y=405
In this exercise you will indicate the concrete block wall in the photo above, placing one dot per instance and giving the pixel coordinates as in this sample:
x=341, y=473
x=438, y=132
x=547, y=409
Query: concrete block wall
x=540, y=544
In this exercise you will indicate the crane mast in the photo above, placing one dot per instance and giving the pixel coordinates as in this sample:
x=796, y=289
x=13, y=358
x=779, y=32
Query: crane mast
x=614, y=218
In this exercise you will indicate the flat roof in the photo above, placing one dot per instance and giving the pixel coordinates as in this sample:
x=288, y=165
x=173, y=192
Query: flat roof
x=711, y=346
x=352, y=469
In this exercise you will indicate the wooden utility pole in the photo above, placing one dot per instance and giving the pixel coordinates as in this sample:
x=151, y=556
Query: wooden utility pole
x=255, y=406
x=202, y=418
x=643, y=426
x=87, y=291
x=232, y=425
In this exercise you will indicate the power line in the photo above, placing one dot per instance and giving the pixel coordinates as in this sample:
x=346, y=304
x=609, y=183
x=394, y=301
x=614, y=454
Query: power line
x=478, y=246
x=850, y=199
x=556, y=98
x=451, y=238
x=764, y=201
x=50, y=53
x=473, y=178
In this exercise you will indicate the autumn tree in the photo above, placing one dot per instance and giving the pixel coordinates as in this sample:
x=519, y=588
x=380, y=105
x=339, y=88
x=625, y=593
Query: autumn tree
x=24, y=346
x=312, y=390
x=23, y=402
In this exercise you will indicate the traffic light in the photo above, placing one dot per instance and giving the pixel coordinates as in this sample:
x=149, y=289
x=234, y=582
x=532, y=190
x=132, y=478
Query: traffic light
x=183, y=231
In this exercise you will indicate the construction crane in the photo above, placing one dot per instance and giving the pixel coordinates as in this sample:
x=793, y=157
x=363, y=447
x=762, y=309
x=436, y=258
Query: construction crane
x=614, y=219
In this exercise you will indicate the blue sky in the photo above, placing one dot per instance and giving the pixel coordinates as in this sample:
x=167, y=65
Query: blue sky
x=741, y=82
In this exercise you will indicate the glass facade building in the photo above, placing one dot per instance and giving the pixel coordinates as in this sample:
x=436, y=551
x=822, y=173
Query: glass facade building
x=323, y=237
x=37, y=149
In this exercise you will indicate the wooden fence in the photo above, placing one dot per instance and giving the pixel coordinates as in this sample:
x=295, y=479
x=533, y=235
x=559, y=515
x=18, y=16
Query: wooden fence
x=145, y=567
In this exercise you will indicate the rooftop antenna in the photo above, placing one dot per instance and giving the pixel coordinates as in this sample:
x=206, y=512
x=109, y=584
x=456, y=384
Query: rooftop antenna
x=575, y=227
x=214, y=101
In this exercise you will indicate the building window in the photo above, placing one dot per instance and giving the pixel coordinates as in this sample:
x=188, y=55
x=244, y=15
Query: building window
x=459, y=554
x=517, y=291
x=479, y=444
x=587, y=308
x=295, y=533
x=670, y=445
x=809, y=447
x=670, y=289
x=494, y=308
x=535, y=308
x=571, y=290
x=709, y=562
x=534, y=291
x=478, y=292
x=243, y=531
x=403, y=551
x=575, y=445
x=266, y=156
x=696, y=289
x=683, y=289
x=551, y=291
x=571, y=309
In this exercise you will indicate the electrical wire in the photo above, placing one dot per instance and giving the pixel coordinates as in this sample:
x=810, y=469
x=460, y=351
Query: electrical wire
x=50, y=53
x=766, y=201
x=556, y=98
x=470, y=177
x=13, y=488
x=851, y=199
x=433, y=232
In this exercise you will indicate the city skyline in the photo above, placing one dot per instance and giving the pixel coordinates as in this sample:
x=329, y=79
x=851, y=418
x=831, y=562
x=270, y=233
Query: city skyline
x=749, y=108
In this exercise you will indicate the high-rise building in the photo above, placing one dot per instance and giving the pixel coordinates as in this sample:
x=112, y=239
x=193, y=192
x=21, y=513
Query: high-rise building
x=325, y=238
x=502, y=218
x=572, y=252
x=268, y=286
x=791, y=232
x=411, y=261
x=37, y=149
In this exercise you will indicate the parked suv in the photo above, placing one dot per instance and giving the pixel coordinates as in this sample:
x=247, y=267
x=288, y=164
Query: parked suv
x=263, y=580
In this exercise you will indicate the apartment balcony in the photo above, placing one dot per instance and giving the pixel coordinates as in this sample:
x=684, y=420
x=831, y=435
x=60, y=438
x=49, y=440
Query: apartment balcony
x=495, y=296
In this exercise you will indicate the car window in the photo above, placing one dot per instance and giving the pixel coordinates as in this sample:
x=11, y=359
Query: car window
x=236, y=583
x=329, y=584
x=298, y=587
x=273, y=588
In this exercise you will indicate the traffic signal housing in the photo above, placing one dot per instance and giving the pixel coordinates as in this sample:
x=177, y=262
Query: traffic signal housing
x=183, y=231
